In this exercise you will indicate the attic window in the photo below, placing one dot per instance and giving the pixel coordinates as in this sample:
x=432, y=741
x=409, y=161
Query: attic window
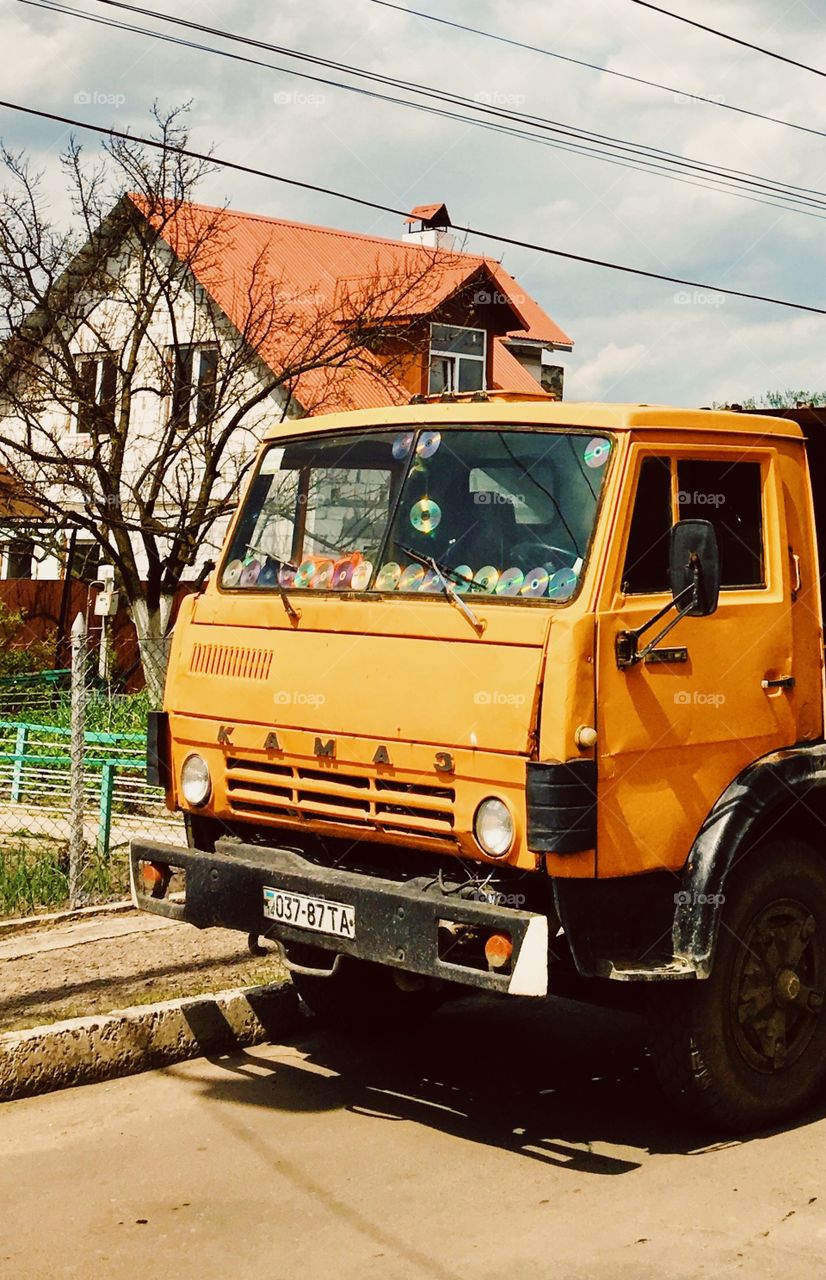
x=195, y=373
x=457, y=359
x=18, y=558
x=98, y=376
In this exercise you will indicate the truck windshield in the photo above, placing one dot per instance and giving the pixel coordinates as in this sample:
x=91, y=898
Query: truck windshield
x=508, y=512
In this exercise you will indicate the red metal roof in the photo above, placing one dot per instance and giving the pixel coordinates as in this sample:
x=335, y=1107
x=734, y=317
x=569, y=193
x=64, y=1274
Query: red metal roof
x=314, y=269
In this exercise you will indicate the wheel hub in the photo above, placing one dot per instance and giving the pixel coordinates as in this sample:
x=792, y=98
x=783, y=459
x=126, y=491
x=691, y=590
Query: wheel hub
x=778, y=986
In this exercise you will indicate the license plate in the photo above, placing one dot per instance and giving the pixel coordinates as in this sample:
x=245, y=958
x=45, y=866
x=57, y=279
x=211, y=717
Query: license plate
x=304, y=912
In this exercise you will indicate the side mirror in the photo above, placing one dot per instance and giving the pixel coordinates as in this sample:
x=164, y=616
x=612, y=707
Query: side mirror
x=694, y=561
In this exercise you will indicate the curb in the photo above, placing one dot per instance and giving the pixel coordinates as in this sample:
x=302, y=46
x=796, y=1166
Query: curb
x=24, y=923
x=128, y=1041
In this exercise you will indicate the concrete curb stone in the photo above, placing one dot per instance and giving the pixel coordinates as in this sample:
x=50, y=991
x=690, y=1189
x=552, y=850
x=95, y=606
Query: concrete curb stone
x=127, y=1041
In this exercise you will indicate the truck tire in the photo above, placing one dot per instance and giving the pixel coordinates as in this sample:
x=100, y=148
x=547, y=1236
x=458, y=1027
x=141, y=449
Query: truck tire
x=746, y=1047
x=363, y=996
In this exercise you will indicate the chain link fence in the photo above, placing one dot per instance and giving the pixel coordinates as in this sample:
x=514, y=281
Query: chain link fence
x=73, y=788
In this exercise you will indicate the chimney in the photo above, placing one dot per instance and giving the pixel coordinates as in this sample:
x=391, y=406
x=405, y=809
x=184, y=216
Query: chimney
x=428, y=225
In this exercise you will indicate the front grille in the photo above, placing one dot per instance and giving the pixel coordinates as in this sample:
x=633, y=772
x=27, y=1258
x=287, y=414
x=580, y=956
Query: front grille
x=231, y=660
x=256, y=787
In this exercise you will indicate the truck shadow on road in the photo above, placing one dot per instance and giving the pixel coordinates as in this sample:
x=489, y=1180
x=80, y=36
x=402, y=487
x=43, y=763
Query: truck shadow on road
x=561, y=1083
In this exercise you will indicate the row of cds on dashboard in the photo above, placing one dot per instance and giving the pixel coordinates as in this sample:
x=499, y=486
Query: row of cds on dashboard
x=353, y=573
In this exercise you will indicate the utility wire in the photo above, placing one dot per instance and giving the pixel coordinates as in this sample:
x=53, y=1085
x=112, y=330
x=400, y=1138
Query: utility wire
x=790, y=202
x=754, y=182
x=745, y=44
x=512, y=241
x=595, y=66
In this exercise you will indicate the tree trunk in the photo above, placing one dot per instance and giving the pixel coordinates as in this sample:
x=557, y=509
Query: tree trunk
x=153, y=642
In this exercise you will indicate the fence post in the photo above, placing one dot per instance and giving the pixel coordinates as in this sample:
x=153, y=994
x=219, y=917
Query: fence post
x=76, y=752
x=19, y=752
x=107, y=786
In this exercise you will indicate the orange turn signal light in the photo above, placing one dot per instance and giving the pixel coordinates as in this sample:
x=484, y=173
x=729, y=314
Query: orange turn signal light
x=498, y=950
x=155, y=879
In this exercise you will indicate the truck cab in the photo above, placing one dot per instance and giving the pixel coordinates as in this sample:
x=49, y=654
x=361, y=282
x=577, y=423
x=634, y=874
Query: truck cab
x=517, y=695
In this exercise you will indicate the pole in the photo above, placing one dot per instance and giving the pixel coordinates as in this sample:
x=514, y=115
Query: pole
x=76, y=751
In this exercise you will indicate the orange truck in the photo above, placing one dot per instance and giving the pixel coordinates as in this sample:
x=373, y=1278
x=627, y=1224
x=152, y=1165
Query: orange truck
x=522, y=696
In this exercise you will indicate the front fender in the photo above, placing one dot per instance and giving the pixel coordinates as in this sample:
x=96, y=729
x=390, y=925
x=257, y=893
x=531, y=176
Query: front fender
x=766, y=792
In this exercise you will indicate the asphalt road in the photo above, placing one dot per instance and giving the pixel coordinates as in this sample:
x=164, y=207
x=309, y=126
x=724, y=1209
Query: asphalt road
x=505, y=1141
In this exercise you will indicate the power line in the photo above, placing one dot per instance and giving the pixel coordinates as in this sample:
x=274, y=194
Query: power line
x=745, y=44
x=595, y=66
x=511, y=241
x=640, y=163
x=615, y=146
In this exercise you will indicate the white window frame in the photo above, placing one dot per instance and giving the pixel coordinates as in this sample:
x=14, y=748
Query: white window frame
x=453, y=359
x=99, y=358
x=197, y=350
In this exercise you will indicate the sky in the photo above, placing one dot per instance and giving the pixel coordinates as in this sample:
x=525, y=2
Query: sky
x=635, y=339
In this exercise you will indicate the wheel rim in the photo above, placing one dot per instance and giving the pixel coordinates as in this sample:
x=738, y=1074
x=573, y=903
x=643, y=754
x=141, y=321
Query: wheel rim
x=777, y=992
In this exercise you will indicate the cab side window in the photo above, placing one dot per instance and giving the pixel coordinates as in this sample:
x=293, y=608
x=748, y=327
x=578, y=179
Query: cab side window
x=729, y=495
x=646, y=556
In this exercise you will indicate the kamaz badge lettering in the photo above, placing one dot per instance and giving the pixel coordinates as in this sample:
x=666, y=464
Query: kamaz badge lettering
x=382, y=756
x=272, y=743
x=443, y=762
x=225, y=735
x=325, y=750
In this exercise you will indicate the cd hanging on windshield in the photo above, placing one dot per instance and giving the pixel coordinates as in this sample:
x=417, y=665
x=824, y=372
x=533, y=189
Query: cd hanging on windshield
x=388, y=576
x=425, y=515
x=402, y=445
x=536, y=582
x=596, y=452
x=232, y=573
x=304, y=573
x=510, y=582
x=562, y=585
x=412, y=578
x=250, y=572
x=362, y=574
x=286, y=575
x=487, y=577
x=429, y=442
x=267, y=576
x=461, y=578
x=432, y=581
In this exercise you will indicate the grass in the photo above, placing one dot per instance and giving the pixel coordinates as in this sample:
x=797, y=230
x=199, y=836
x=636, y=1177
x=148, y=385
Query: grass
x=124, y=713
x=34, y=877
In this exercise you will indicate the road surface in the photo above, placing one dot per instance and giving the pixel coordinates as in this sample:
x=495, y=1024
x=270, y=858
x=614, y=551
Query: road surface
x=503, y=1143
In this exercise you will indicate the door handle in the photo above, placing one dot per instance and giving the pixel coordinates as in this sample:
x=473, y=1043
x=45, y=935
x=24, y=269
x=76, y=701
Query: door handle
x=784, y=682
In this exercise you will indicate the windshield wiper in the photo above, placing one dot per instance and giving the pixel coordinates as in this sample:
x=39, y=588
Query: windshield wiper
x=443, y=573
x=292, y=613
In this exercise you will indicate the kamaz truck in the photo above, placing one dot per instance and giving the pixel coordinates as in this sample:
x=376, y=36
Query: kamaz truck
x=525, y=697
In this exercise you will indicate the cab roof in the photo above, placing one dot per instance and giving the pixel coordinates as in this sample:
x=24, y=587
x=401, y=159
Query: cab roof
x=542, y=411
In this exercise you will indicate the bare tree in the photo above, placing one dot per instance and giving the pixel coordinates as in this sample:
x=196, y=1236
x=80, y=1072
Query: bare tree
x=131, y=404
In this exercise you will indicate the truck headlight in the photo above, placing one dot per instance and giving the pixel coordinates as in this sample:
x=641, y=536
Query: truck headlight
x=196, y=783
x=493, y=827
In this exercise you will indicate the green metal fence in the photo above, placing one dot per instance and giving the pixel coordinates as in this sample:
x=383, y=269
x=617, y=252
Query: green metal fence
x=35, y=791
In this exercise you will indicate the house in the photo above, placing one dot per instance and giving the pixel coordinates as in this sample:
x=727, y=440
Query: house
x=450, y=321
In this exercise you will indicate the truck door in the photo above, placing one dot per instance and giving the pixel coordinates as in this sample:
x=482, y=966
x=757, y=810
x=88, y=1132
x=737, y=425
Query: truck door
x=674, y=731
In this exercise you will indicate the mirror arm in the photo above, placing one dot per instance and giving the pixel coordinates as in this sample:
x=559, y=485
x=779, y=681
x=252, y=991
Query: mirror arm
x=628, y=655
